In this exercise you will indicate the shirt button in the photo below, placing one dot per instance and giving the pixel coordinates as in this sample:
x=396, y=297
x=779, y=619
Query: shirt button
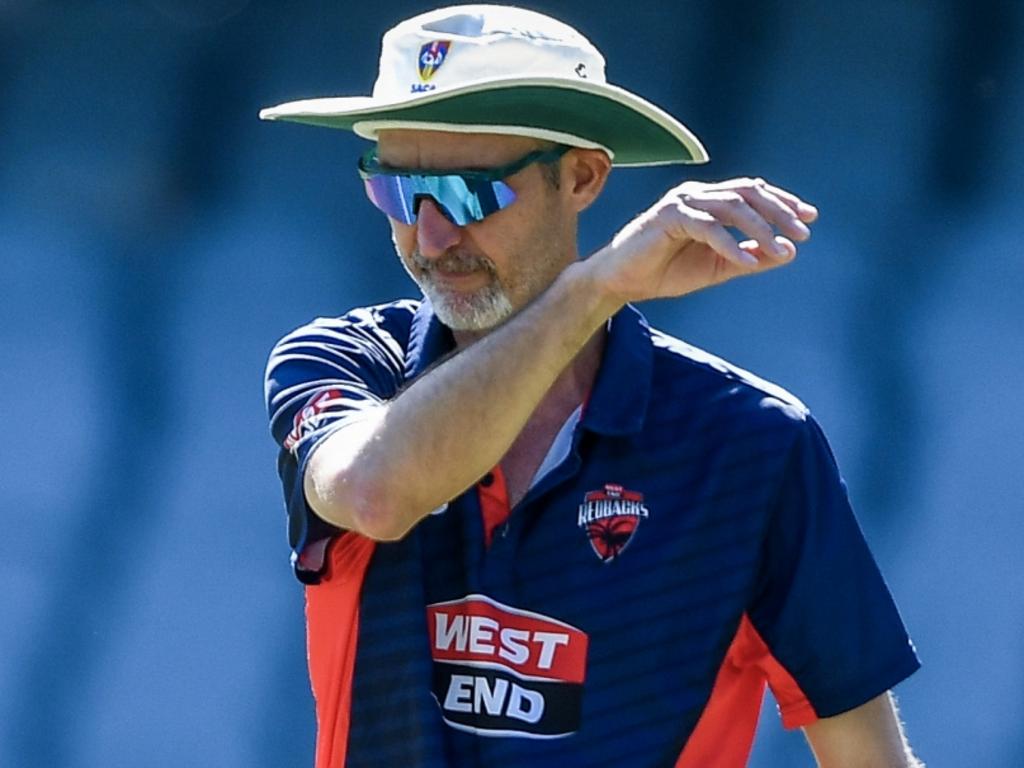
x=487, y=480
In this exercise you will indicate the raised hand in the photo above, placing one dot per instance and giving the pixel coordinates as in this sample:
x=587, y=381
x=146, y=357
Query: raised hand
x=682, y=243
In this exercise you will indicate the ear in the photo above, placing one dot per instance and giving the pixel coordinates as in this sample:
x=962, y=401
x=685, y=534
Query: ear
x=584, y=172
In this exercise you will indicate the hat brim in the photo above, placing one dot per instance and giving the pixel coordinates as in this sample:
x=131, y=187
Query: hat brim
x=635, y=131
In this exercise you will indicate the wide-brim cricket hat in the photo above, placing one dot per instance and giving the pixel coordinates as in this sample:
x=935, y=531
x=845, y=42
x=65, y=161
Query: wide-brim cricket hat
x=500, y=69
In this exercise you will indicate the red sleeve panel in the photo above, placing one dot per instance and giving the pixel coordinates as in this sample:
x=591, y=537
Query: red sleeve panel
x=725, y=732
x=332, y=629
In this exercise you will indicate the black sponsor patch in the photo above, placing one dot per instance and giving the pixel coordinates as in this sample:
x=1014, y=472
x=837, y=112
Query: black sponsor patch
x=495, y=702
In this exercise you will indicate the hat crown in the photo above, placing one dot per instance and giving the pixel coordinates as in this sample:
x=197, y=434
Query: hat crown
x=454, y=46
x=502, y=70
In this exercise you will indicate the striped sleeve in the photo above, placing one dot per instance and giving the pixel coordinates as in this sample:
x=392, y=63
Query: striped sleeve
x=319, y=378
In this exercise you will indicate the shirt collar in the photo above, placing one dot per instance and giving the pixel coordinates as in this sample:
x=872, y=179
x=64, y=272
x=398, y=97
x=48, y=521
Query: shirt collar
x=429, y=341
x=622, y=390
x=618, y=402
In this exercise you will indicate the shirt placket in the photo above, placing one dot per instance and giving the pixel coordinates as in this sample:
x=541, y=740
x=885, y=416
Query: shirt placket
x=506, y=524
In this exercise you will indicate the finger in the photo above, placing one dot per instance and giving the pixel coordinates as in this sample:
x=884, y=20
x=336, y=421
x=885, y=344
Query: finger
x=732, y=209
x=770, y=260
x=804, y=210
x=776, y=211
x=704, y=227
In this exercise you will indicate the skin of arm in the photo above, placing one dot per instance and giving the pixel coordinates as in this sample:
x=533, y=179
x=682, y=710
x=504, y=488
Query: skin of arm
x=442, y=433
x=383, y=473
x=869, y=736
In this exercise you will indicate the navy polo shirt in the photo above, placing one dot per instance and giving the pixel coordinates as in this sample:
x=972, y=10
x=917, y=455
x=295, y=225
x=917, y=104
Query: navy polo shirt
x=696, y=506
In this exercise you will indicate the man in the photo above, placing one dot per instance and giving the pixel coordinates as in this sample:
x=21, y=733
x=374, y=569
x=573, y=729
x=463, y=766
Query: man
x=535, y=531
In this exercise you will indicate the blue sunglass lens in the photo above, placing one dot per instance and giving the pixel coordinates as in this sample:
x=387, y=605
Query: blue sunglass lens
x=387, y=194
x=461, y=201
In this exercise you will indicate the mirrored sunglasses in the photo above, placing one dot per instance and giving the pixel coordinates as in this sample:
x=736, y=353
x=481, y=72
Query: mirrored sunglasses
x=464, y=196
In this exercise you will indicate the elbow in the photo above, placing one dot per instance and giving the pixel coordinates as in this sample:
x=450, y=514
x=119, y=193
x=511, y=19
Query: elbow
x=377, y=521
x=356, y=489
x=357, y=504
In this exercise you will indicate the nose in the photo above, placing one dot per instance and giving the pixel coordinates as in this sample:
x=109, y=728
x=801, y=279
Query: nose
x=435, y=234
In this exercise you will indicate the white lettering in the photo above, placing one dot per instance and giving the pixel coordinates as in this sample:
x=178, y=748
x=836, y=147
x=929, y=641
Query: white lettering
x=549, y=642
x=493, y=701
x=444, y=635
x=481, y=634
x=459, y=696
x=530, y=644
x=513, y=646
x=534, y=702
x=467, y=693
x=590, y=511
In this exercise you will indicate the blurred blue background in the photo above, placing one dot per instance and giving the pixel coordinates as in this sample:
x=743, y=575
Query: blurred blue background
x=156, y=239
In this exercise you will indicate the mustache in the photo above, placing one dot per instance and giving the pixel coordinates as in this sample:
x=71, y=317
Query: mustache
x=453, y=261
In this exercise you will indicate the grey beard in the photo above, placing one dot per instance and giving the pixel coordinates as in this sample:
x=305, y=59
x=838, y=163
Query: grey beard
x=478, y=311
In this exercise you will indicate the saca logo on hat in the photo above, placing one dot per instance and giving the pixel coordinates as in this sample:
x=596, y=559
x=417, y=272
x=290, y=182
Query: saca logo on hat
x=432, y=56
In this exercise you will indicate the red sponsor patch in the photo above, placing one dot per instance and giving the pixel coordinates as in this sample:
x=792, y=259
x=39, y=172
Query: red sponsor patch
x=502, y=671
x=478, y=629
x=309, y=417
x=610, y=517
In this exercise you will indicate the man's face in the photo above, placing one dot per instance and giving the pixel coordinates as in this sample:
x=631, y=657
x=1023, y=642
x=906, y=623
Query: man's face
x=476, y=276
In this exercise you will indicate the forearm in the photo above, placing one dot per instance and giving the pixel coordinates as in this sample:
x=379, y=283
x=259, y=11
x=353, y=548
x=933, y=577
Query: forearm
x=383, y=474
x=869, y=736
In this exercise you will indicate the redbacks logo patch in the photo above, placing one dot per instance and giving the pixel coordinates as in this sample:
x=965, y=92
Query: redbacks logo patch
x=432, y=56
x=610, y=517
x=502, y=671
x=309, y=417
